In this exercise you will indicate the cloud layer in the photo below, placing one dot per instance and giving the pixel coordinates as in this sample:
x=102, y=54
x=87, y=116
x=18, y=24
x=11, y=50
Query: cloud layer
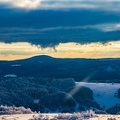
x=52, y=36
x=113, y=5
x=49, y=28
x=67, y=28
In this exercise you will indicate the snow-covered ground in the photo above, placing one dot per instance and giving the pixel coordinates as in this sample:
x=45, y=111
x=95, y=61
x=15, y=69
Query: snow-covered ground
x=15, y=65
x=16, y=117
x=51, y=117
x=104, y=93
x=106, y=117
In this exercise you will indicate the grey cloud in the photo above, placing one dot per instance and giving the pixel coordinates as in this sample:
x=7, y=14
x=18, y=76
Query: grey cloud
x=52, y=36
x=49, y=28
x=106, y=27
x=113, y=5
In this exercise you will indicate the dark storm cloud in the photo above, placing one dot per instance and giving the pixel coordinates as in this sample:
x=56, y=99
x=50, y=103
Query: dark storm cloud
x=49, y=28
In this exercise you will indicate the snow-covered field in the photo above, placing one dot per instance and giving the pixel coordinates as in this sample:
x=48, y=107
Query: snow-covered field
x=16, y=117
x=51, y=117
x=104, y=93
x=106, y=117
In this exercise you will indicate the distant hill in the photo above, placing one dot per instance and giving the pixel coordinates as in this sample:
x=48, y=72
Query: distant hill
x=97, y=70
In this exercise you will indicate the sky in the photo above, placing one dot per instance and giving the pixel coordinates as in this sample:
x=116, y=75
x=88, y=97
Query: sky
x=59, y=28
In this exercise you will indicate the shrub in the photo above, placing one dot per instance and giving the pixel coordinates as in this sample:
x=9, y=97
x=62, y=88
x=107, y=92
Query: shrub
x=111, y=119
x=84, y=96
x=66, y=116
x=114, y=109
x=118, y=93
x=100, y=112
x=58, y=101
x=63, y=84
x=5, y=110
x=81, y=92
x=37, y=93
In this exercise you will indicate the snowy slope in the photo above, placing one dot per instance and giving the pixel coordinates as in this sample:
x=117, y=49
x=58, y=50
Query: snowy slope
x=104, y=93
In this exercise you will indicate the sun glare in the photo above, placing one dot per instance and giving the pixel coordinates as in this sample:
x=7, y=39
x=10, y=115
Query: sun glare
x=27, y=4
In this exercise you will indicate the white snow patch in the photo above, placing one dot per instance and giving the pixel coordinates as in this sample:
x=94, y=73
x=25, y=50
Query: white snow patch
x=16, y=65
x=36, y=101
x=104, y=93
x=10, y=76
x=51, y=116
